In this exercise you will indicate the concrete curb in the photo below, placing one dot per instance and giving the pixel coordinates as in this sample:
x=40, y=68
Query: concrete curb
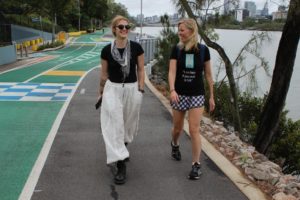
x=231, y=171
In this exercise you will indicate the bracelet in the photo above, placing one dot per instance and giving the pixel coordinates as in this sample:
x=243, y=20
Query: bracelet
x=172, y=90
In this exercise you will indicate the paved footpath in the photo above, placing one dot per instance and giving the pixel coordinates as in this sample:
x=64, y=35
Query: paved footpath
x=51, y=147
x=76, y=169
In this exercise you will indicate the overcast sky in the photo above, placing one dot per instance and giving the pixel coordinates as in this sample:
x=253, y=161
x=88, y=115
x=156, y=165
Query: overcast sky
x=160, y=7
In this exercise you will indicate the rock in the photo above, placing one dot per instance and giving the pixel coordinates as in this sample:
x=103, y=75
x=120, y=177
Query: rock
x=257, y=174
x=219, y=123
x=283, y=196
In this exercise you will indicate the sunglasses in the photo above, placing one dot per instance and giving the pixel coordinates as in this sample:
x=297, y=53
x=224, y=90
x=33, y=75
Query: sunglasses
x=121, y=27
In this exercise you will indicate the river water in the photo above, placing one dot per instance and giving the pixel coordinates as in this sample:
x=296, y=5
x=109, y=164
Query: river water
x=232, y=41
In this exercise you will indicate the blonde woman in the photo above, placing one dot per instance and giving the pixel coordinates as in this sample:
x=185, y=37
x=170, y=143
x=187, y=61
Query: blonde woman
x=121, y=89
x=188, y=62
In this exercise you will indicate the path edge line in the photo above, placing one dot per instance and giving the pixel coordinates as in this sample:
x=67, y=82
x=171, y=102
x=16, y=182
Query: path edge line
x=35, y=173
x=246, y=186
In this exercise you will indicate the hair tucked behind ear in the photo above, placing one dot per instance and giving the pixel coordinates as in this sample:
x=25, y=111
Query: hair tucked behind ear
x=194, y=38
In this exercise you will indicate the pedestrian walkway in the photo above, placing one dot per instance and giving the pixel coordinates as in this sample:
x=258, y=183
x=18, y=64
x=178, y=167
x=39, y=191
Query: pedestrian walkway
x=51, y=145
x=76, y=165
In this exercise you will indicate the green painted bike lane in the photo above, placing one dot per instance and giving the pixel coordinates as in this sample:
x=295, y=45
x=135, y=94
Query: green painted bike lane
x=25, y=125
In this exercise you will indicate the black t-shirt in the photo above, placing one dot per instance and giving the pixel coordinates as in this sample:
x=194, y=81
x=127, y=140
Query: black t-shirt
x=114, y=68
x=189, y=70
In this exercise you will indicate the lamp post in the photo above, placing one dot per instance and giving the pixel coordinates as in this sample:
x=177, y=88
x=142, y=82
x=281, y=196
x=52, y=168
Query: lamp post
x=79, y=15
x=141, y=22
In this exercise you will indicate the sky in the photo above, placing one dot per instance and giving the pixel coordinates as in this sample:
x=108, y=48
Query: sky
x=160, y=7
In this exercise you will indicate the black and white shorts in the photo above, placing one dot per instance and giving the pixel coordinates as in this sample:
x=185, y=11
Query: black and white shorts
x=188, y=102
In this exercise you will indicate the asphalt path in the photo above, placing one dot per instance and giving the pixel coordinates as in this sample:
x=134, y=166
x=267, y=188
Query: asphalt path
x=76, y=168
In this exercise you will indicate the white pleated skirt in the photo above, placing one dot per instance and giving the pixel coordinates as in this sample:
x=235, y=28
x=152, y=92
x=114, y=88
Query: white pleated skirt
x=119, y=118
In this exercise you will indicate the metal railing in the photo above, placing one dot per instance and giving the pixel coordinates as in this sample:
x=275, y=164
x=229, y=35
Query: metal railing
x=150, y=46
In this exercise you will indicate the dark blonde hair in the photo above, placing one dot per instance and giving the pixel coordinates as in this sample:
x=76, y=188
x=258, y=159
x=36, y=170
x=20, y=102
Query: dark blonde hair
x=115, y=21
x=190, y=24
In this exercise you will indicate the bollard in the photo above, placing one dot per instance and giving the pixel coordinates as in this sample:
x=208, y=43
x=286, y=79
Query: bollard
x=148, y=69
x=34, y=47
x=21, y=50
x=26, y=52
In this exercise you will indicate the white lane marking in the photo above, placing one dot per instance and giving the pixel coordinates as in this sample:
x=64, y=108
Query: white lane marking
x=72, y=61
x=35, y=173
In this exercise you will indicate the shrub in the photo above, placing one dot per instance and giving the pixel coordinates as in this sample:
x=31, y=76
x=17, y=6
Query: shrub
x=286, y=148
x=50, y=45
x=165, y=43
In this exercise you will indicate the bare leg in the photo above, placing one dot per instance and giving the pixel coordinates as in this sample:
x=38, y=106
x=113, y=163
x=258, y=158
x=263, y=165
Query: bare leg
x=194, y=117
x=178, y=119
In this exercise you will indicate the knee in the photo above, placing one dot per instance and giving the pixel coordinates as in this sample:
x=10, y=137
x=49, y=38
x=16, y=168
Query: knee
x=177, y=129
x=194, y=131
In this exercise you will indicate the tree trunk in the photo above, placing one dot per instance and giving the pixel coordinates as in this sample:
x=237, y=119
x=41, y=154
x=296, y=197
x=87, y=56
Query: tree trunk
x=281, y=79
x=228, y=66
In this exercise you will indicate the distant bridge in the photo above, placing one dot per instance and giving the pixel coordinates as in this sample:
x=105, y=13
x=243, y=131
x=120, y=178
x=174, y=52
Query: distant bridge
x=172, y=22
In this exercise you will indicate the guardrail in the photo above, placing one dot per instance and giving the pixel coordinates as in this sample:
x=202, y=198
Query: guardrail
x=150, y=46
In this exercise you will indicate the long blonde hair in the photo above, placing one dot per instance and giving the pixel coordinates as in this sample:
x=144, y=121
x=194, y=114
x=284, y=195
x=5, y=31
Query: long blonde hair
x=193, y=40
x=115, y=21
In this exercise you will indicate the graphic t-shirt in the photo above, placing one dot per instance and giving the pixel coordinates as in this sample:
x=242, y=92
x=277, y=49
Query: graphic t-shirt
x=115, y=69
x=189, y=70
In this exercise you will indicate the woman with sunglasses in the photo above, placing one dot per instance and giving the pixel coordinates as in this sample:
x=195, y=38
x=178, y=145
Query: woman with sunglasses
x=121, y=90
x=188, y=61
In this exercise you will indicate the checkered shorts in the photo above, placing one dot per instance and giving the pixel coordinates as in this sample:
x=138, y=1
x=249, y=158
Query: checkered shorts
x=188, y=102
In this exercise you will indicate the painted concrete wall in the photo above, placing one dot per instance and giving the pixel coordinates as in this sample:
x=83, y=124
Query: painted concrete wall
x=21, y=33
x=8, y=54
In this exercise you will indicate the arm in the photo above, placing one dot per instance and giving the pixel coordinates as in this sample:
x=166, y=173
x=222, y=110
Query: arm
x=103, y=76
x=141, y=72
x=171, y=78
x=209, y=79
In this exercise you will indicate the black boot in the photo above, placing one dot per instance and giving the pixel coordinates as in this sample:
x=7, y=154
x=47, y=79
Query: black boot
x=175, y=152
x=120, y=177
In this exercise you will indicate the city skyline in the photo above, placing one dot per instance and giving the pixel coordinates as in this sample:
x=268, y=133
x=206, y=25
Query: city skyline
x=151, y=8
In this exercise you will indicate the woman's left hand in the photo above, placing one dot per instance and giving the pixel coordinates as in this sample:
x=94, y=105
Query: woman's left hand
x=211, y=104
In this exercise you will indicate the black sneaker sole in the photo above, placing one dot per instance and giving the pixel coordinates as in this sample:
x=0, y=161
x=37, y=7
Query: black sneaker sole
x=193, y=178
x=120, y=182
x=176, y=158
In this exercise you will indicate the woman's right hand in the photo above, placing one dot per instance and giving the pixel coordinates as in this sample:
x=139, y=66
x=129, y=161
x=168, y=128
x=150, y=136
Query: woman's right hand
x=99, y=102
x=174, y=97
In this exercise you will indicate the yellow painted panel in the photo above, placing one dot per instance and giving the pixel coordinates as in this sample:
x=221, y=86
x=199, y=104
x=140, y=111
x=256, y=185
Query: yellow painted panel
x=65, y=73
x=34, y=47
x=74, y=34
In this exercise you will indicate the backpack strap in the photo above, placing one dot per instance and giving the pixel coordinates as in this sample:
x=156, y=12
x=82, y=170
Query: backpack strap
x=202, y=52
x=178, y=52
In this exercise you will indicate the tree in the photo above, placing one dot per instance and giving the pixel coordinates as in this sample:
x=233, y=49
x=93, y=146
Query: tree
x=94, y=9
x=117, y=9
x=234, y=70
x=168, y=38
x=282, y=74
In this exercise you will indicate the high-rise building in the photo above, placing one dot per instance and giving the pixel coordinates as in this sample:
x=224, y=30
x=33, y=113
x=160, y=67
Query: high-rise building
x=265, y=10
x=228, y=6
x=241, y=14
x=251, y=7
